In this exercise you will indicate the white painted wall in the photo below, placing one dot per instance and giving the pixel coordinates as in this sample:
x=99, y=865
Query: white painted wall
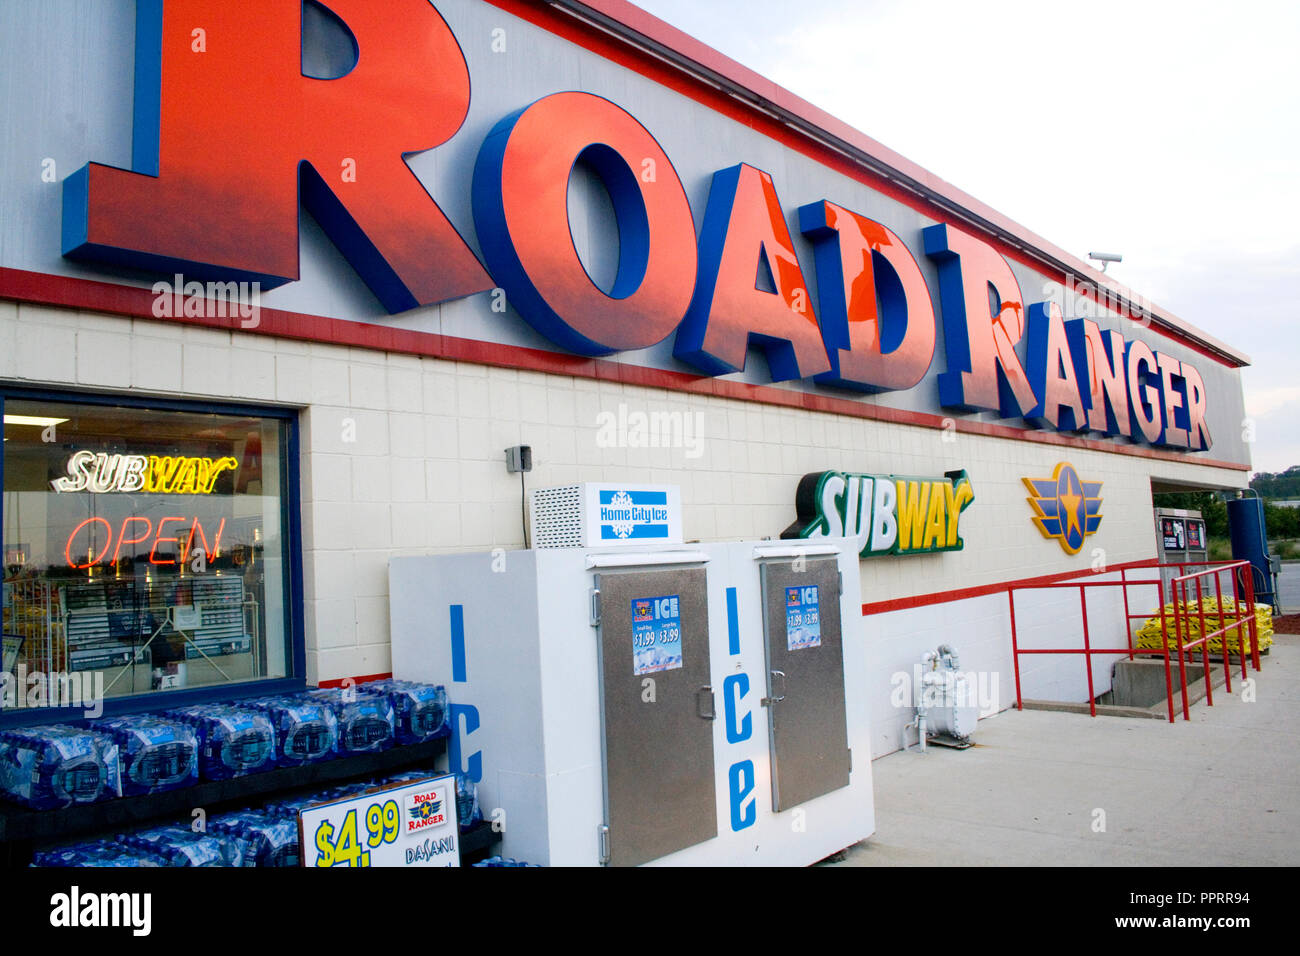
x=979, y=630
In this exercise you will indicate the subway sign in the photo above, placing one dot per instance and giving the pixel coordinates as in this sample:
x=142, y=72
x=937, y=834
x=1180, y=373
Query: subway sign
x=230, y=138
x=886, y=514
x=102, y=472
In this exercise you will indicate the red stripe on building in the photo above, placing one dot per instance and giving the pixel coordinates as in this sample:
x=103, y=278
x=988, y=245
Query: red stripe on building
x=340, y=681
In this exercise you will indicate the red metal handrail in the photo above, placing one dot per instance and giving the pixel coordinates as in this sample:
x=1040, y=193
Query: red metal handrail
x=1247, y=619
x=1241, y=582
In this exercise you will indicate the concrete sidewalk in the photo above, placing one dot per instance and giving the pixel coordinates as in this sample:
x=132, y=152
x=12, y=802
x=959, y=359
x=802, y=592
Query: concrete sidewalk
x=1222, y=789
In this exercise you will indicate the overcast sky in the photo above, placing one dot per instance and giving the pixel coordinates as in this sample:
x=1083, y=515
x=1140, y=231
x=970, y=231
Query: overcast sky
x=1167, y=132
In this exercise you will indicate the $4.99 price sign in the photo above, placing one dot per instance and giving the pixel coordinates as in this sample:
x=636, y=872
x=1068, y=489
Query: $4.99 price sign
x=411, y=824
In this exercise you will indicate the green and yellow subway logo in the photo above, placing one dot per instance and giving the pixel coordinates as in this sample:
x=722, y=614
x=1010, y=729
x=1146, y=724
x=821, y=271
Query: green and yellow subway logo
x=887, y=514
x=102, y=473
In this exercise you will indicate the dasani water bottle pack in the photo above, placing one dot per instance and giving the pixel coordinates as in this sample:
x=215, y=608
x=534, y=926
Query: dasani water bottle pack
x=156, y=753
x=58, y=766
x=365, y=721
x=233, y=741
x=420, y=710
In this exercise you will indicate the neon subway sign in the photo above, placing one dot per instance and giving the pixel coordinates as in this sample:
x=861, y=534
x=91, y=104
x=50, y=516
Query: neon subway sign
x=300, y=137
x=103, y=473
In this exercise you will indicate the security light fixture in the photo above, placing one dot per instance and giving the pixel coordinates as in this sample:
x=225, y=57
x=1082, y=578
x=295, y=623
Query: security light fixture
x=1105, y=258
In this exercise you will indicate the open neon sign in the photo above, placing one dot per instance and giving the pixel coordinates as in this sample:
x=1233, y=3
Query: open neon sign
x=138, y=530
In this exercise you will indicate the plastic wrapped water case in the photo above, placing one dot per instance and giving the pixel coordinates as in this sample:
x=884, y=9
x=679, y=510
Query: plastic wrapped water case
x=58, y=766
x=156, y=753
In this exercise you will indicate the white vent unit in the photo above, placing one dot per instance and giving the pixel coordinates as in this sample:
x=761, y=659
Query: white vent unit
x=556, y=517
x=597, y=515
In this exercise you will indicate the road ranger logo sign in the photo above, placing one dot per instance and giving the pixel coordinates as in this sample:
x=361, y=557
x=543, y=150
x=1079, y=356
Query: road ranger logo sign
x=426, y=810
x=1065, y=507
x=885, y=514
x=633, y=514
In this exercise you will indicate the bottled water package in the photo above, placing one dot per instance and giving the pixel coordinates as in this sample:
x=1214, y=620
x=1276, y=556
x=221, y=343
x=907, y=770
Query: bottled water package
x=156, y=753
x=467, y=808
x=288, y=808
x=406, y=776
x=420, y=710
x=345, y=790
x=77, y=855
x=58, y=766
x=306, y=731
x=97, y=853
x=178, y=845
x=233, y=740
x=259, y=838
x=508, y=861
x=365, y=721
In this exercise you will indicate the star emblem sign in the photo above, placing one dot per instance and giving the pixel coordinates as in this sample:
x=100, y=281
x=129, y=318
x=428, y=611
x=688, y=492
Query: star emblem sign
x=1066, y=508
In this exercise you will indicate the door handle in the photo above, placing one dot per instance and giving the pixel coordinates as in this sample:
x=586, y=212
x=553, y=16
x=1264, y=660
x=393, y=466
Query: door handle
x=768, y=701
x=705, y=692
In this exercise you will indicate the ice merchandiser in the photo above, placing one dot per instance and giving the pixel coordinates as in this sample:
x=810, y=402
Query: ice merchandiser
x=631, y=699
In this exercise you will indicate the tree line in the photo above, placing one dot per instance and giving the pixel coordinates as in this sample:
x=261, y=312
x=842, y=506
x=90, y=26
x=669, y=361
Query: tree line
x=1283, y=484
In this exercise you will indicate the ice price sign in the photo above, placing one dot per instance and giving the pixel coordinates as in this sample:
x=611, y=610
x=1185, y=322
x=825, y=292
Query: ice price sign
x=410, y=825
x=803, y=623
x=656, y=634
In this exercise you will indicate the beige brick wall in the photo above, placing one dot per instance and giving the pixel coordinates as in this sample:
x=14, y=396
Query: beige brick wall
x=404, y=455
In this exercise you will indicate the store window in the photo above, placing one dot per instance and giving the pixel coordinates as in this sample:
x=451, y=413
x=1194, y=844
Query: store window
x=145, y=551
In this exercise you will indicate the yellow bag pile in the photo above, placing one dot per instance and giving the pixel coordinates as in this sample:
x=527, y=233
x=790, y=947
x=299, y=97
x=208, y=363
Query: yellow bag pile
x=1148, y=635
